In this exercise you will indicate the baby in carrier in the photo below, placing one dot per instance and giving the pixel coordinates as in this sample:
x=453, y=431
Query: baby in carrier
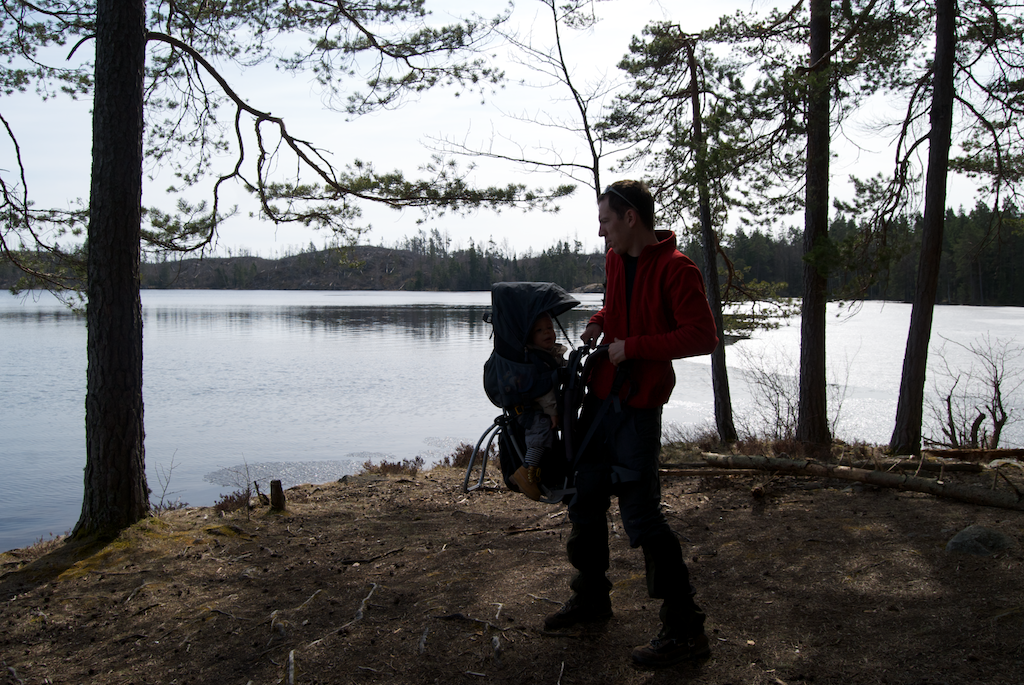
x=539, y=418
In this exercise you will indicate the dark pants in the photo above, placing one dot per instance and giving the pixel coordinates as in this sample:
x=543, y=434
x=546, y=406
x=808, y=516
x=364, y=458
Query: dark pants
x=622, y=459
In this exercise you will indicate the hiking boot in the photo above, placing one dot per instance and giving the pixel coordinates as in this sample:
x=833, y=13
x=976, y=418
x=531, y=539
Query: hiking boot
x=579, y=610
x=527, y=478
x=671, y=648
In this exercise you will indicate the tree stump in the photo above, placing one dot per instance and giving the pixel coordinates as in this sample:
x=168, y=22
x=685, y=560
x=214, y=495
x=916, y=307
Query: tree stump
x=276, y=496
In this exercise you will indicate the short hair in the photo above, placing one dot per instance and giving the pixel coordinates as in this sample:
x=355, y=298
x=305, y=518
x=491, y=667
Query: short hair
x=627, y=194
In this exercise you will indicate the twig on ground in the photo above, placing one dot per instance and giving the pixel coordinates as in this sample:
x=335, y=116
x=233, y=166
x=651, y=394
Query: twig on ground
x=280, y=625
x=555, y=633
x=370, y=559
x=362, y=606
x=145, y=609
x=358, y=617
x=462, y=617
x=423, y=639
x=303, y=605
x=186, y=641
x=291, y=667
x=498, y=612
x=544, y=599
x=560, y=672
x=133, y=593
x=519, y=531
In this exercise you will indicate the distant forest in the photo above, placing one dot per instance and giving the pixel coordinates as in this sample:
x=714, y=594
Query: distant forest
x=982, y=259
x=409, y=266
x=982, y=264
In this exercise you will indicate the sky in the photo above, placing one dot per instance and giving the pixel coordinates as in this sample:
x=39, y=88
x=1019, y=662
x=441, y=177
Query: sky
x=55, y=139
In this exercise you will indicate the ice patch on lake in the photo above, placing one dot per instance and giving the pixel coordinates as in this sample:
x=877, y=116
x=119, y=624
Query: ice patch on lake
x=297, y=472
x=289, y=472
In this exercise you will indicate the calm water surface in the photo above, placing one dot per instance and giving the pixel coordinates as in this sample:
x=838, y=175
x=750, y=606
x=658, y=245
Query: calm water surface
x=306, y=386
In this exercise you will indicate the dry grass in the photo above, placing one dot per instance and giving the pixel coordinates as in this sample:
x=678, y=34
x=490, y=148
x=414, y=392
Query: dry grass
x=232, y=501
x=460, y=456
x=406, y=467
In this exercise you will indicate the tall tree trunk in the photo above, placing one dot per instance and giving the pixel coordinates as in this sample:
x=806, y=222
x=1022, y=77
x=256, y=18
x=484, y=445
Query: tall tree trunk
x=719, y=372
x=812, y=420
x=116, y=494
x=906, y=436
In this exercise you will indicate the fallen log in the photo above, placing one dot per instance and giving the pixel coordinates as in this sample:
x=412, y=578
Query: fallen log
x=705, y=472
x=962, y=493
x=911, y=465
x=707, y=469
x=976, y=455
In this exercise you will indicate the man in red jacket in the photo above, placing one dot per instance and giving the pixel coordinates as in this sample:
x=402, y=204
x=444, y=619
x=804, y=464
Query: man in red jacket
x=655, y=310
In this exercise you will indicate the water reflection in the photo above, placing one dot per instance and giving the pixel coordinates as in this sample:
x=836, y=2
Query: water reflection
x=15, y=316
x=424, y=322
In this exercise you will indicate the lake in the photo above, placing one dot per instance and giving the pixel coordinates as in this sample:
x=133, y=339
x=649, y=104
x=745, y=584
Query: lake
x=306, y=386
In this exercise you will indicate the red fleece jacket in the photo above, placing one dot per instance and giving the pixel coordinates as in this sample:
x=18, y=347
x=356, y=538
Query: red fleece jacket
x=669, y=319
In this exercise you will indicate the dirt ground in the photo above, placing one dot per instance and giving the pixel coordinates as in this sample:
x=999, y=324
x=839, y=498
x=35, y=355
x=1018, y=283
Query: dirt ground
x=409, y=580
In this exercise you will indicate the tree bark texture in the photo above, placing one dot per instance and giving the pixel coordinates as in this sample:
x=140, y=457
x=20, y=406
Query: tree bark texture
x=812, y=419
x=116, y=494
x=719, y=372
x=906, y=436
x=963, y=493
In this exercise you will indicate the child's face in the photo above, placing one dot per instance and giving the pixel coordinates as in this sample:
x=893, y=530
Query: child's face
x=543, y=333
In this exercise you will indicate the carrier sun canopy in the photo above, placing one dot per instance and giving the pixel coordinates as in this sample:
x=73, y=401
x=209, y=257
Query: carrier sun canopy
x=516, y=305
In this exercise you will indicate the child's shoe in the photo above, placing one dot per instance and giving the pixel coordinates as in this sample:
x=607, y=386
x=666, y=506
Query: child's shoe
x=528, y=480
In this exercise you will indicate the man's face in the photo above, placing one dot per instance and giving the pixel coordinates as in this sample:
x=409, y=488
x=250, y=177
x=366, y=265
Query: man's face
x=617, y=232
x=543, y=333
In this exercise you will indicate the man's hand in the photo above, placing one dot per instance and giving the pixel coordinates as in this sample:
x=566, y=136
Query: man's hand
x=617, y=352
x=591, y=334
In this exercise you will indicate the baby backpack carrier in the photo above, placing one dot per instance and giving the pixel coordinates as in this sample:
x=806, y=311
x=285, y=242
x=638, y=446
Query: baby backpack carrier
x=514, y=376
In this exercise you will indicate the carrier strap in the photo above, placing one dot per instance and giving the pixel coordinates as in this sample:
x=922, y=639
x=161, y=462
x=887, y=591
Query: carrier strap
x=611, y=399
